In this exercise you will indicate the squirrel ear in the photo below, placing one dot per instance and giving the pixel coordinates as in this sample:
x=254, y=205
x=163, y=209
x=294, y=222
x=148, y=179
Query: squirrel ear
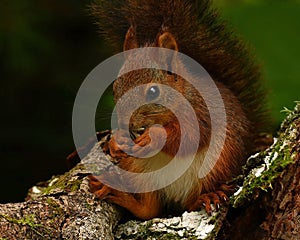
x=167, y=40
x=130, y=39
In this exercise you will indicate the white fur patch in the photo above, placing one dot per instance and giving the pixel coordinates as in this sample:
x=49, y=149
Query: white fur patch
x=181, y=187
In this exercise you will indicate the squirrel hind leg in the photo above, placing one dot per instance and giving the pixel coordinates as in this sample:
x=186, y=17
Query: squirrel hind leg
x=144, y=206
x=215, y=198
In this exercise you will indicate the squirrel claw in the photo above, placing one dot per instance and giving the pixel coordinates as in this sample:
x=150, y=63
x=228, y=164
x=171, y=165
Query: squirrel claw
x=208, y=199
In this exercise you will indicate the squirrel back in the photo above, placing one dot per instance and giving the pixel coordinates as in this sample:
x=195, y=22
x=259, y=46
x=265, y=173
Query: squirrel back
x=200, y=34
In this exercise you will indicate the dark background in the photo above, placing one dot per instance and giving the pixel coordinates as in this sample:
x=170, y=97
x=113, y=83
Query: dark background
x=48, y=47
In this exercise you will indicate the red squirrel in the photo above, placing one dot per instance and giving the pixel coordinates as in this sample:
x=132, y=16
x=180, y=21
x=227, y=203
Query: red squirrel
x=195, y=29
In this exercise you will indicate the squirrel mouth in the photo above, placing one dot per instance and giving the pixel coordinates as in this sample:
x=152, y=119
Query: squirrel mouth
x=135, y=133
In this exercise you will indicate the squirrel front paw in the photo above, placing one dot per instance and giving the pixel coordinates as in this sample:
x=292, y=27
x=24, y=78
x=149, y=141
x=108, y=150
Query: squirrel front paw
x=119, y=145
x=150, y=142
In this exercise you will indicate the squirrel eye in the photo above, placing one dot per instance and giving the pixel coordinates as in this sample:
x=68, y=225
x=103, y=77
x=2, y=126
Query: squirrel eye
x=152, y=93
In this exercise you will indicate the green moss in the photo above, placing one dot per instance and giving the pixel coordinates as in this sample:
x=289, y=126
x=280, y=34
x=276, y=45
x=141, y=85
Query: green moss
x=167, y=236
x=265, y=180
x=276, y=159
x=160, y=236
x=214, y=219
x=65, y=183
x=88, y=206
x=145, y=232
x=57, y=210
x=62, y=183
x=28, y=221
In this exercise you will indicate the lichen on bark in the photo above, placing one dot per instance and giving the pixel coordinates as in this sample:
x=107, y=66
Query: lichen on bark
x=63, y=207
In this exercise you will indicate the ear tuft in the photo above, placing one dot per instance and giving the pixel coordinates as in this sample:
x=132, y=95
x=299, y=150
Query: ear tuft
x=130, y=39
x=167, y=40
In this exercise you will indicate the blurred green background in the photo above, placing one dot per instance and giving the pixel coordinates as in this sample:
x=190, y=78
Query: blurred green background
x=48, y=47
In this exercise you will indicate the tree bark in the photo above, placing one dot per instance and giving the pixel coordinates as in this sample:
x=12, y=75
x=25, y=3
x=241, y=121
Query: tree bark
x=266, y=206
x=62, y=208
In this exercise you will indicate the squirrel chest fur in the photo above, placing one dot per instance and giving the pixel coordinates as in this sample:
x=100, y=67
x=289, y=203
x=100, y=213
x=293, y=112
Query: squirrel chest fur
x=195, y=30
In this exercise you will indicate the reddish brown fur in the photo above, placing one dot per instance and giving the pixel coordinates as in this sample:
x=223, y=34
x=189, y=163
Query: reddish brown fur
x=177, y=26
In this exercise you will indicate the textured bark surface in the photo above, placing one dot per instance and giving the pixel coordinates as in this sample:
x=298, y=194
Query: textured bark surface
x=267, y=206
x=62, y=208
x=283, y=218
x=283, y=203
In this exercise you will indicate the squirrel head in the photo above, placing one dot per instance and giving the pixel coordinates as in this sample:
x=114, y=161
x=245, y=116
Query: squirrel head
x=147, y=86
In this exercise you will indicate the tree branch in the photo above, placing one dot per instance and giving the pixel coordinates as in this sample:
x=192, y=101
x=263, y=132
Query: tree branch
x=267, y=205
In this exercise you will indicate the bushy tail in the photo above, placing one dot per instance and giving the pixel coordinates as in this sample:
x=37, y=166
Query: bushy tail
x=199, y=33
